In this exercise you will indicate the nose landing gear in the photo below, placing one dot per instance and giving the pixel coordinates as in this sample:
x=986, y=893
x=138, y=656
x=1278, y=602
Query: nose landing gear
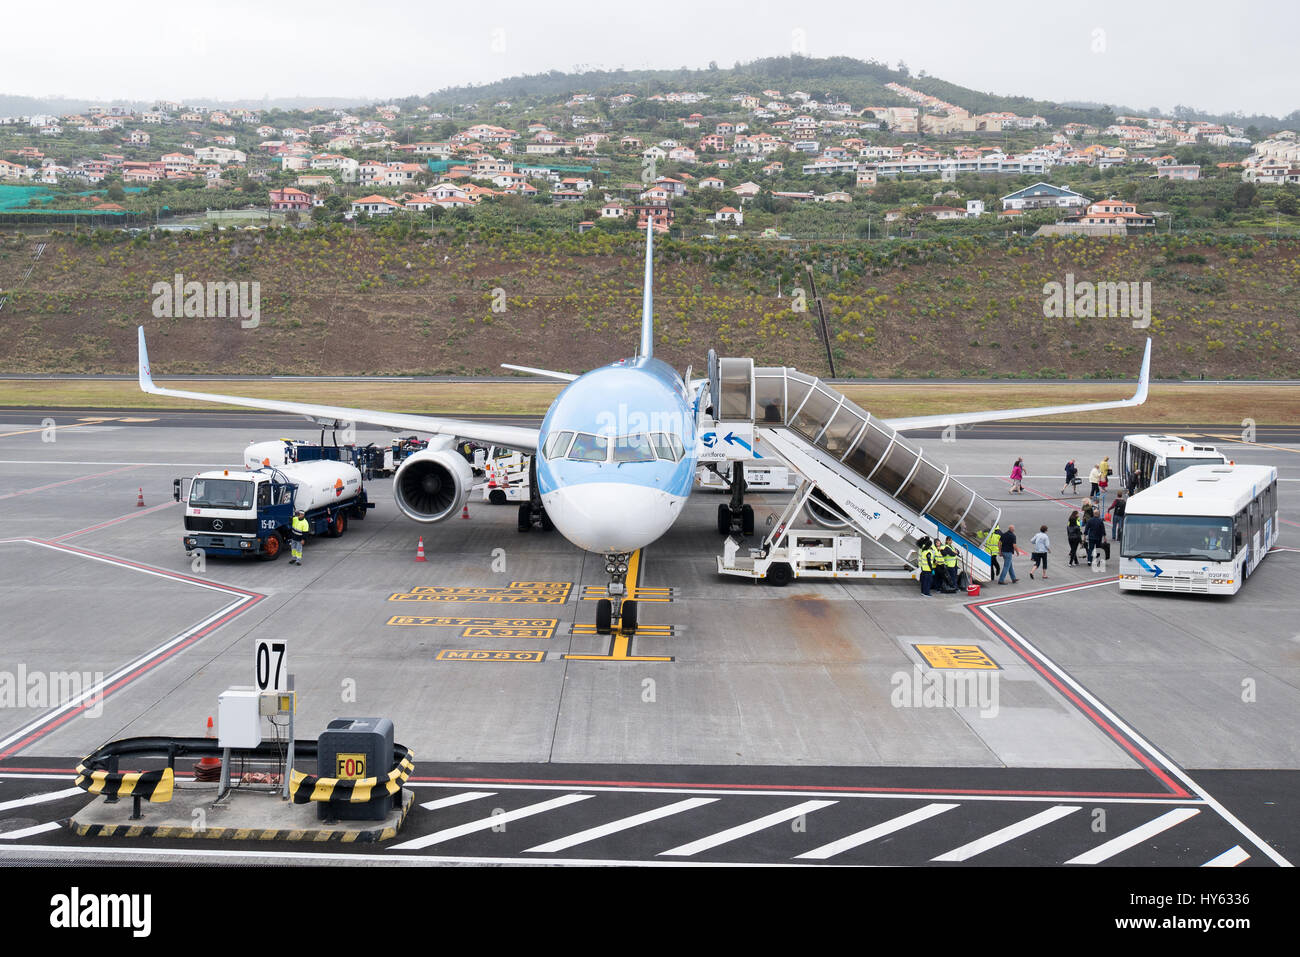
x=616, y=608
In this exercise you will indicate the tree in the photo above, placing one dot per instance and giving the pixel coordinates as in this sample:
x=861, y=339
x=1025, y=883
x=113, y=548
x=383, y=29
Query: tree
x=1244, y=196
x=115, y=192
x=1286, y=203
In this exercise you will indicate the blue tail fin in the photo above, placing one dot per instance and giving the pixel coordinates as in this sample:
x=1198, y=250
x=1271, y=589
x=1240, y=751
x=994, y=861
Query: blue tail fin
x=647, y=302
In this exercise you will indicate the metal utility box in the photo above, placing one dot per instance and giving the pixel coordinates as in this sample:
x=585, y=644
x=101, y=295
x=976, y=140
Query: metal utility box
x=239, y=725
x=352, y=749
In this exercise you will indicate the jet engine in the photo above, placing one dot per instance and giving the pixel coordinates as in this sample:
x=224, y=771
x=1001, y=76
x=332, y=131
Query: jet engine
x=432, y=485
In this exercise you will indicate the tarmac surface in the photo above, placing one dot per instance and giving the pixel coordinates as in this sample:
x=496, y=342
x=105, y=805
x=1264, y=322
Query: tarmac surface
x=743, y=724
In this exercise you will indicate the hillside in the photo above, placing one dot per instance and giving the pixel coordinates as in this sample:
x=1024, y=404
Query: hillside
x=338, y=301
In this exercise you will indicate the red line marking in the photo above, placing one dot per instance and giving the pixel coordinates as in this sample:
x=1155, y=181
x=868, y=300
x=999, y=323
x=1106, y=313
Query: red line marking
x=977, y=609
x=82, y=478
x=848, y=789
x=250, y=599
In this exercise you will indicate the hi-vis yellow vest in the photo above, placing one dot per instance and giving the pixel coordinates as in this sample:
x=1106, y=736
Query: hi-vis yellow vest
x=994, y=543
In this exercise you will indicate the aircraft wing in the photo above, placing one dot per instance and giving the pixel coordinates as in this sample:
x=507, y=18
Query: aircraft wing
x=995, y=415
x=510, y=436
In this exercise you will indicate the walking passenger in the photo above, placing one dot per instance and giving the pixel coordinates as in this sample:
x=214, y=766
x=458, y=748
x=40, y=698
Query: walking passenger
x=1039, y=548
x=1074, y=535
x=1007, y=547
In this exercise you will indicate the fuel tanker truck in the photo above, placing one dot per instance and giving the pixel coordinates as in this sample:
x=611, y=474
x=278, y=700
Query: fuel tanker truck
x=248, y=512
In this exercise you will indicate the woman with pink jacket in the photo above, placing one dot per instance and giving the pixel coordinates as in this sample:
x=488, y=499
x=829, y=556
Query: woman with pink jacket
x=1018, y=476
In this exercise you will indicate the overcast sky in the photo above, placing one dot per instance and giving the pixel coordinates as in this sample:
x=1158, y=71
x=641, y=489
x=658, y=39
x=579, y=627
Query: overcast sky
x=1211, y=55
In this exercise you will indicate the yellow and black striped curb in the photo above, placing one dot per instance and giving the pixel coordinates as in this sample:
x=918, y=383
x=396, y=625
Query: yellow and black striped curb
x=368, y=835
x=153, y=786
x=310, y=787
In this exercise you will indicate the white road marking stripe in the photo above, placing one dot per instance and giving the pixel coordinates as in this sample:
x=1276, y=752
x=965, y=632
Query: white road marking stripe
x=871, y=833
x=741, y=830
x=623, y=824
x=492, y=820
x=1156, y=755
x=29, y=831
x=1229, y=858
x=41, y=798
x=1128, y=839
x=456, y=799
x=1008, y=833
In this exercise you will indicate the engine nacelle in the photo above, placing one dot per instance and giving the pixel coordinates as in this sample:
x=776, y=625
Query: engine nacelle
x=822, y=510
x=432, y=485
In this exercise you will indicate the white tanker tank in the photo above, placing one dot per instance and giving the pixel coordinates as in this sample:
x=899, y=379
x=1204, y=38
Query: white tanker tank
x=321, y=484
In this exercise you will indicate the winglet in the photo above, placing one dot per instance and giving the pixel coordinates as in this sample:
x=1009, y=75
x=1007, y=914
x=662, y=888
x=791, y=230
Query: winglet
x=146, y=376
x=1144, y=377
x=647, y=302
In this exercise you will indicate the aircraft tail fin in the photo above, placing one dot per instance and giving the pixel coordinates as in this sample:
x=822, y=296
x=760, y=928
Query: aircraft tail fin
x=647, y=301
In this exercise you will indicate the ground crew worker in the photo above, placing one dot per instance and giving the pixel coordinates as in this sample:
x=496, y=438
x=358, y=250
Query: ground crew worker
x=299, y=530
x=993, y=545
x=949, y=556
x=926, y=562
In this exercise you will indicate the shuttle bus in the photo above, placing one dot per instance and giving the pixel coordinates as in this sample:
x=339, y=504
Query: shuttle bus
x=1156, y=457
x=1202, y=531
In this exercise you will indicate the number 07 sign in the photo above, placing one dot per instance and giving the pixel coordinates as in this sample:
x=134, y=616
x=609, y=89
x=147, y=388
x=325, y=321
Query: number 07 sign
x=270, y=665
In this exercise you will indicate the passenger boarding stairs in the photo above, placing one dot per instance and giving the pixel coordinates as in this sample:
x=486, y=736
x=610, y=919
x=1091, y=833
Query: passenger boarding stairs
x=879, y=483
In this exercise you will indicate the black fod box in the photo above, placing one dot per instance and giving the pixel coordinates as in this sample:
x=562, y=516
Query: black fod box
x=352, y=749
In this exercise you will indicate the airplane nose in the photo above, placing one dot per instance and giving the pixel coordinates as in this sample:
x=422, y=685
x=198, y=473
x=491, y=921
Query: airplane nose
x=606, y=517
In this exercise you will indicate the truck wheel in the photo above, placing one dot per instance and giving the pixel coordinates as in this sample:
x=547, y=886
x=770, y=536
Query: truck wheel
x=780, y=574
x=272, y=545
x=339, y=525
x=359, y=512
x=497, y=497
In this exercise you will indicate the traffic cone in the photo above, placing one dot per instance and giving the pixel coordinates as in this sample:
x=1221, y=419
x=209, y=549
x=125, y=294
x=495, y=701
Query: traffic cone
x=139, y=498
x=419, y=551
x=208, y=769
x=464, y=512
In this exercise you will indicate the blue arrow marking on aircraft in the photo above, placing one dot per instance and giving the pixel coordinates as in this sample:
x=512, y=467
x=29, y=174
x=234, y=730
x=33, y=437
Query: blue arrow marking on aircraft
x=732, y=439
x=1151, y=568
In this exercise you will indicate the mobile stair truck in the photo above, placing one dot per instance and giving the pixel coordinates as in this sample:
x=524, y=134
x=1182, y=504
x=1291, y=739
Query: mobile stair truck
x=249, y=512
x=858, y=479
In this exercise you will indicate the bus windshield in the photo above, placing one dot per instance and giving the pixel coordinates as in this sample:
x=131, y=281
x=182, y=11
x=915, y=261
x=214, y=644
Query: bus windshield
x=221, y=493
x=1178, y=536
x=1173, y=465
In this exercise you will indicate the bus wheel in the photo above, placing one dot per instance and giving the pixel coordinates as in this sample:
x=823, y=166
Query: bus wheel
x=272, y=545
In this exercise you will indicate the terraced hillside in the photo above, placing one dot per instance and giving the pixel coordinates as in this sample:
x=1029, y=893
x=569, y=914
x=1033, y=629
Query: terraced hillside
x=334, y=301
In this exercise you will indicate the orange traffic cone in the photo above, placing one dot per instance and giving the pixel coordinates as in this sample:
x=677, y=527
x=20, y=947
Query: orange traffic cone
x=208, y=769
x=419, y=551
x=139, y=498
x=464, y=512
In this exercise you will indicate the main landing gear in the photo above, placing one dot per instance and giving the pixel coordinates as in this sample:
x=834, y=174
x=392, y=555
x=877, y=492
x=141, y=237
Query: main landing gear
x=532, y=514
x=736, y=518
x=616, y=608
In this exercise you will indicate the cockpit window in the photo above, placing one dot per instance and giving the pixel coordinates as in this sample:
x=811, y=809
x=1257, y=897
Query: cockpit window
x=668, y=446
x=633, y=448
x=589, y=448
x=557, y=443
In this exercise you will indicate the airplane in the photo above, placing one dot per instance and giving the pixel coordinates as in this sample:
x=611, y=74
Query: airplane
x=618, y=451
